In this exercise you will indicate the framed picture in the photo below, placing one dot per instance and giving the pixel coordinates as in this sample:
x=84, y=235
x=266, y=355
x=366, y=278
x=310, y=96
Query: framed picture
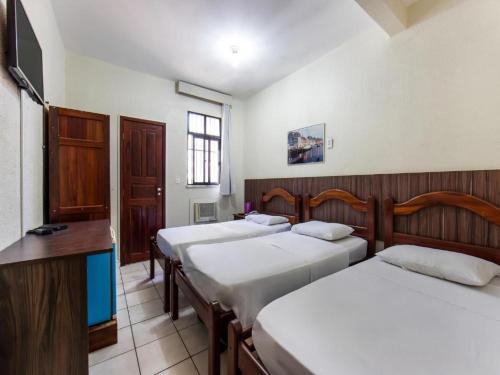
x=306, y=145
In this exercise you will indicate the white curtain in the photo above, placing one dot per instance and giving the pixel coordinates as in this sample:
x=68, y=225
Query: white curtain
x=226, y=183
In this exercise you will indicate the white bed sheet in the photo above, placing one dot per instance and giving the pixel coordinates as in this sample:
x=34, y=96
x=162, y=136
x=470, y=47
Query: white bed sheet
x=375, y=318
x=174, y=241
x=246, y=275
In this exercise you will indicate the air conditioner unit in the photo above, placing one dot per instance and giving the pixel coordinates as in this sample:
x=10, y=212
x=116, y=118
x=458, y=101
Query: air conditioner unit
x=204, y=212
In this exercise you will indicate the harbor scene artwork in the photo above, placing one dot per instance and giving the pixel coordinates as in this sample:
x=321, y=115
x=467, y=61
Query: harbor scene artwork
x=306, y=145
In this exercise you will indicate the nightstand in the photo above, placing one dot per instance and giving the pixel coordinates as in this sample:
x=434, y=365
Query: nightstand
x=239, y=216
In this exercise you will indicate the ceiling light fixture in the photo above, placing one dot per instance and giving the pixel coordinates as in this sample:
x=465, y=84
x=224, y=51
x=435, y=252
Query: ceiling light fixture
x=237, y=50
x=235, y=57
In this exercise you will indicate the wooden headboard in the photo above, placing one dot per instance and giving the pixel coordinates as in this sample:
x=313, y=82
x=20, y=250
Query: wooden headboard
x=292, y=200
x=478, y=206
x=367, y=207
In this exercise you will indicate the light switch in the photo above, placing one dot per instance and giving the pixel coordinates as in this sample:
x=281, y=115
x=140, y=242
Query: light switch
x=329, y=143
x=177, y=179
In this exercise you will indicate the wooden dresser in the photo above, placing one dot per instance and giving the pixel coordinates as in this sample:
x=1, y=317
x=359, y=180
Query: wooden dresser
x=43, y=300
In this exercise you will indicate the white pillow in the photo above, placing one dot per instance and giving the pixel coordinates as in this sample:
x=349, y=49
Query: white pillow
x=266, y=219
x=322, y=230
x=448, y=265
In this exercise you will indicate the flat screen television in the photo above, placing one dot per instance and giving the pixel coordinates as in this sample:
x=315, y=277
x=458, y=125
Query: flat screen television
x=24, y=54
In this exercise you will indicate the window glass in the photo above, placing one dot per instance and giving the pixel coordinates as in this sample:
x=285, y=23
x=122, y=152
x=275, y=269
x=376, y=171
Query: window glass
x=213, y=126
x=190, y=159
x=203, y=161
x=196, y=123
x=214, y=161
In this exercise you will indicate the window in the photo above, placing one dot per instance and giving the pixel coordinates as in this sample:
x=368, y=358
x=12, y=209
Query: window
x=204, y=144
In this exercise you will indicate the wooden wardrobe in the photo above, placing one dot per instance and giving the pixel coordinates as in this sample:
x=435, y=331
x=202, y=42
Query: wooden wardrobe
x=78, y=166
x=78, y=191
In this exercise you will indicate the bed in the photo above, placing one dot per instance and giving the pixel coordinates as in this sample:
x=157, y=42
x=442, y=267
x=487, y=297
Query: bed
x=291, y=261
x=239, y=278
x=380, y=318
x=173, y=242
x=170, y=243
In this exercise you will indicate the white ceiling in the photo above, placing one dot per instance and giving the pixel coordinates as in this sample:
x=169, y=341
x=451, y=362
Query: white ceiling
x=190, y=39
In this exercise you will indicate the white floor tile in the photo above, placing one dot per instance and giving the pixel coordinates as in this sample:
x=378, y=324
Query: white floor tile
x=158, y=268
x=158, y=277
x=124, y=344
x=124, y=364
x=160, y=288
x=161, y=354
x=147, y=310
x=131, y=268
x=152, y=329
x=187, y=317
x=120, y=302
x=195, y=338
x=140, y=275
x=134, y=286
x=119, y=289
x=160, y=344
x=122, y=318
x=183, y=301
x=201, y=362
x=141, y=296
x=184, y=368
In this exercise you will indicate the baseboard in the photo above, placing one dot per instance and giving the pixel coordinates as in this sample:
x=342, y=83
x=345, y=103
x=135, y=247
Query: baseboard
x=102, y=335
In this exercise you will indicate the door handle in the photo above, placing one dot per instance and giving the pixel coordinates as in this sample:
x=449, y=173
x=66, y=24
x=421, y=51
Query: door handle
x=158, y=189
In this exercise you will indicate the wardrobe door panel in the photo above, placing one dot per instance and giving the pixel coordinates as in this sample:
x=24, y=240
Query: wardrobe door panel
x=78, y=165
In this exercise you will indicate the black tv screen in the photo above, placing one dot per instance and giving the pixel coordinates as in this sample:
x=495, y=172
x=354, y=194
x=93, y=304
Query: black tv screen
x=24, y=51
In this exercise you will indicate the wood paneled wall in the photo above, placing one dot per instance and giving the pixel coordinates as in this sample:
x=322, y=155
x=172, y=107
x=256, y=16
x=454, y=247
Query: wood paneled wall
x=439, y=222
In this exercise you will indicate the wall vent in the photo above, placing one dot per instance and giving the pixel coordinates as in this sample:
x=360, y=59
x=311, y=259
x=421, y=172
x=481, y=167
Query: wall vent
x=204, y=212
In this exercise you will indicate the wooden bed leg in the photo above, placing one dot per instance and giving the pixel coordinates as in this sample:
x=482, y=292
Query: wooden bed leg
x=214, y=312
x=234, y=334
x=152, y=258
x=174, y=292
x=166, y=281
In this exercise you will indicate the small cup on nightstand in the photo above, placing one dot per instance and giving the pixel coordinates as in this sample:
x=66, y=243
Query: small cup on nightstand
x=248, y=207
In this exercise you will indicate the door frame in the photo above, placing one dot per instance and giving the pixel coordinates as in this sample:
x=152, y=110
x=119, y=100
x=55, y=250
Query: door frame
x=164, y=146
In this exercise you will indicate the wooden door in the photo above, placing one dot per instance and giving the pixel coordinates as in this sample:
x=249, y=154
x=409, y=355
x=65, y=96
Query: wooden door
x=142, y=165
x=78, y=170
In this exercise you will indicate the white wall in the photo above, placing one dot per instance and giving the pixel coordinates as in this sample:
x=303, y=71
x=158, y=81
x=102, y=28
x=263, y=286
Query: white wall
x=31, y=163
x=21, y=123
x=96, y=86
x=43, y=20
x=424, y=100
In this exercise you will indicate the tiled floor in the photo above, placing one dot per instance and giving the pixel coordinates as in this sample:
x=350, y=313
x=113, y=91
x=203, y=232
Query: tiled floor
x=149, y=342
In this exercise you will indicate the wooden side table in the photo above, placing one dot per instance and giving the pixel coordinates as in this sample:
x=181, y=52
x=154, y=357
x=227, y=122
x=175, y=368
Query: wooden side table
x=239, y=216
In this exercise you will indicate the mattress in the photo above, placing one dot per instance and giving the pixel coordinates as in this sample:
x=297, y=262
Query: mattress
x=376, y=318
x=174, y=241
x=246, y=275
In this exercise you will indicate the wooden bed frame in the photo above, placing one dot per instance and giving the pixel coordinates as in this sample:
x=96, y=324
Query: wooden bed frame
x=217, y=319
x=367, y=207
x=478, y=206
x=243, y=358
x=166, y=262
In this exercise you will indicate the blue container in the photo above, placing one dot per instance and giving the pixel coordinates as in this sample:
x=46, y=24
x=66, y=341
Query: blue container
x=101, y=287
